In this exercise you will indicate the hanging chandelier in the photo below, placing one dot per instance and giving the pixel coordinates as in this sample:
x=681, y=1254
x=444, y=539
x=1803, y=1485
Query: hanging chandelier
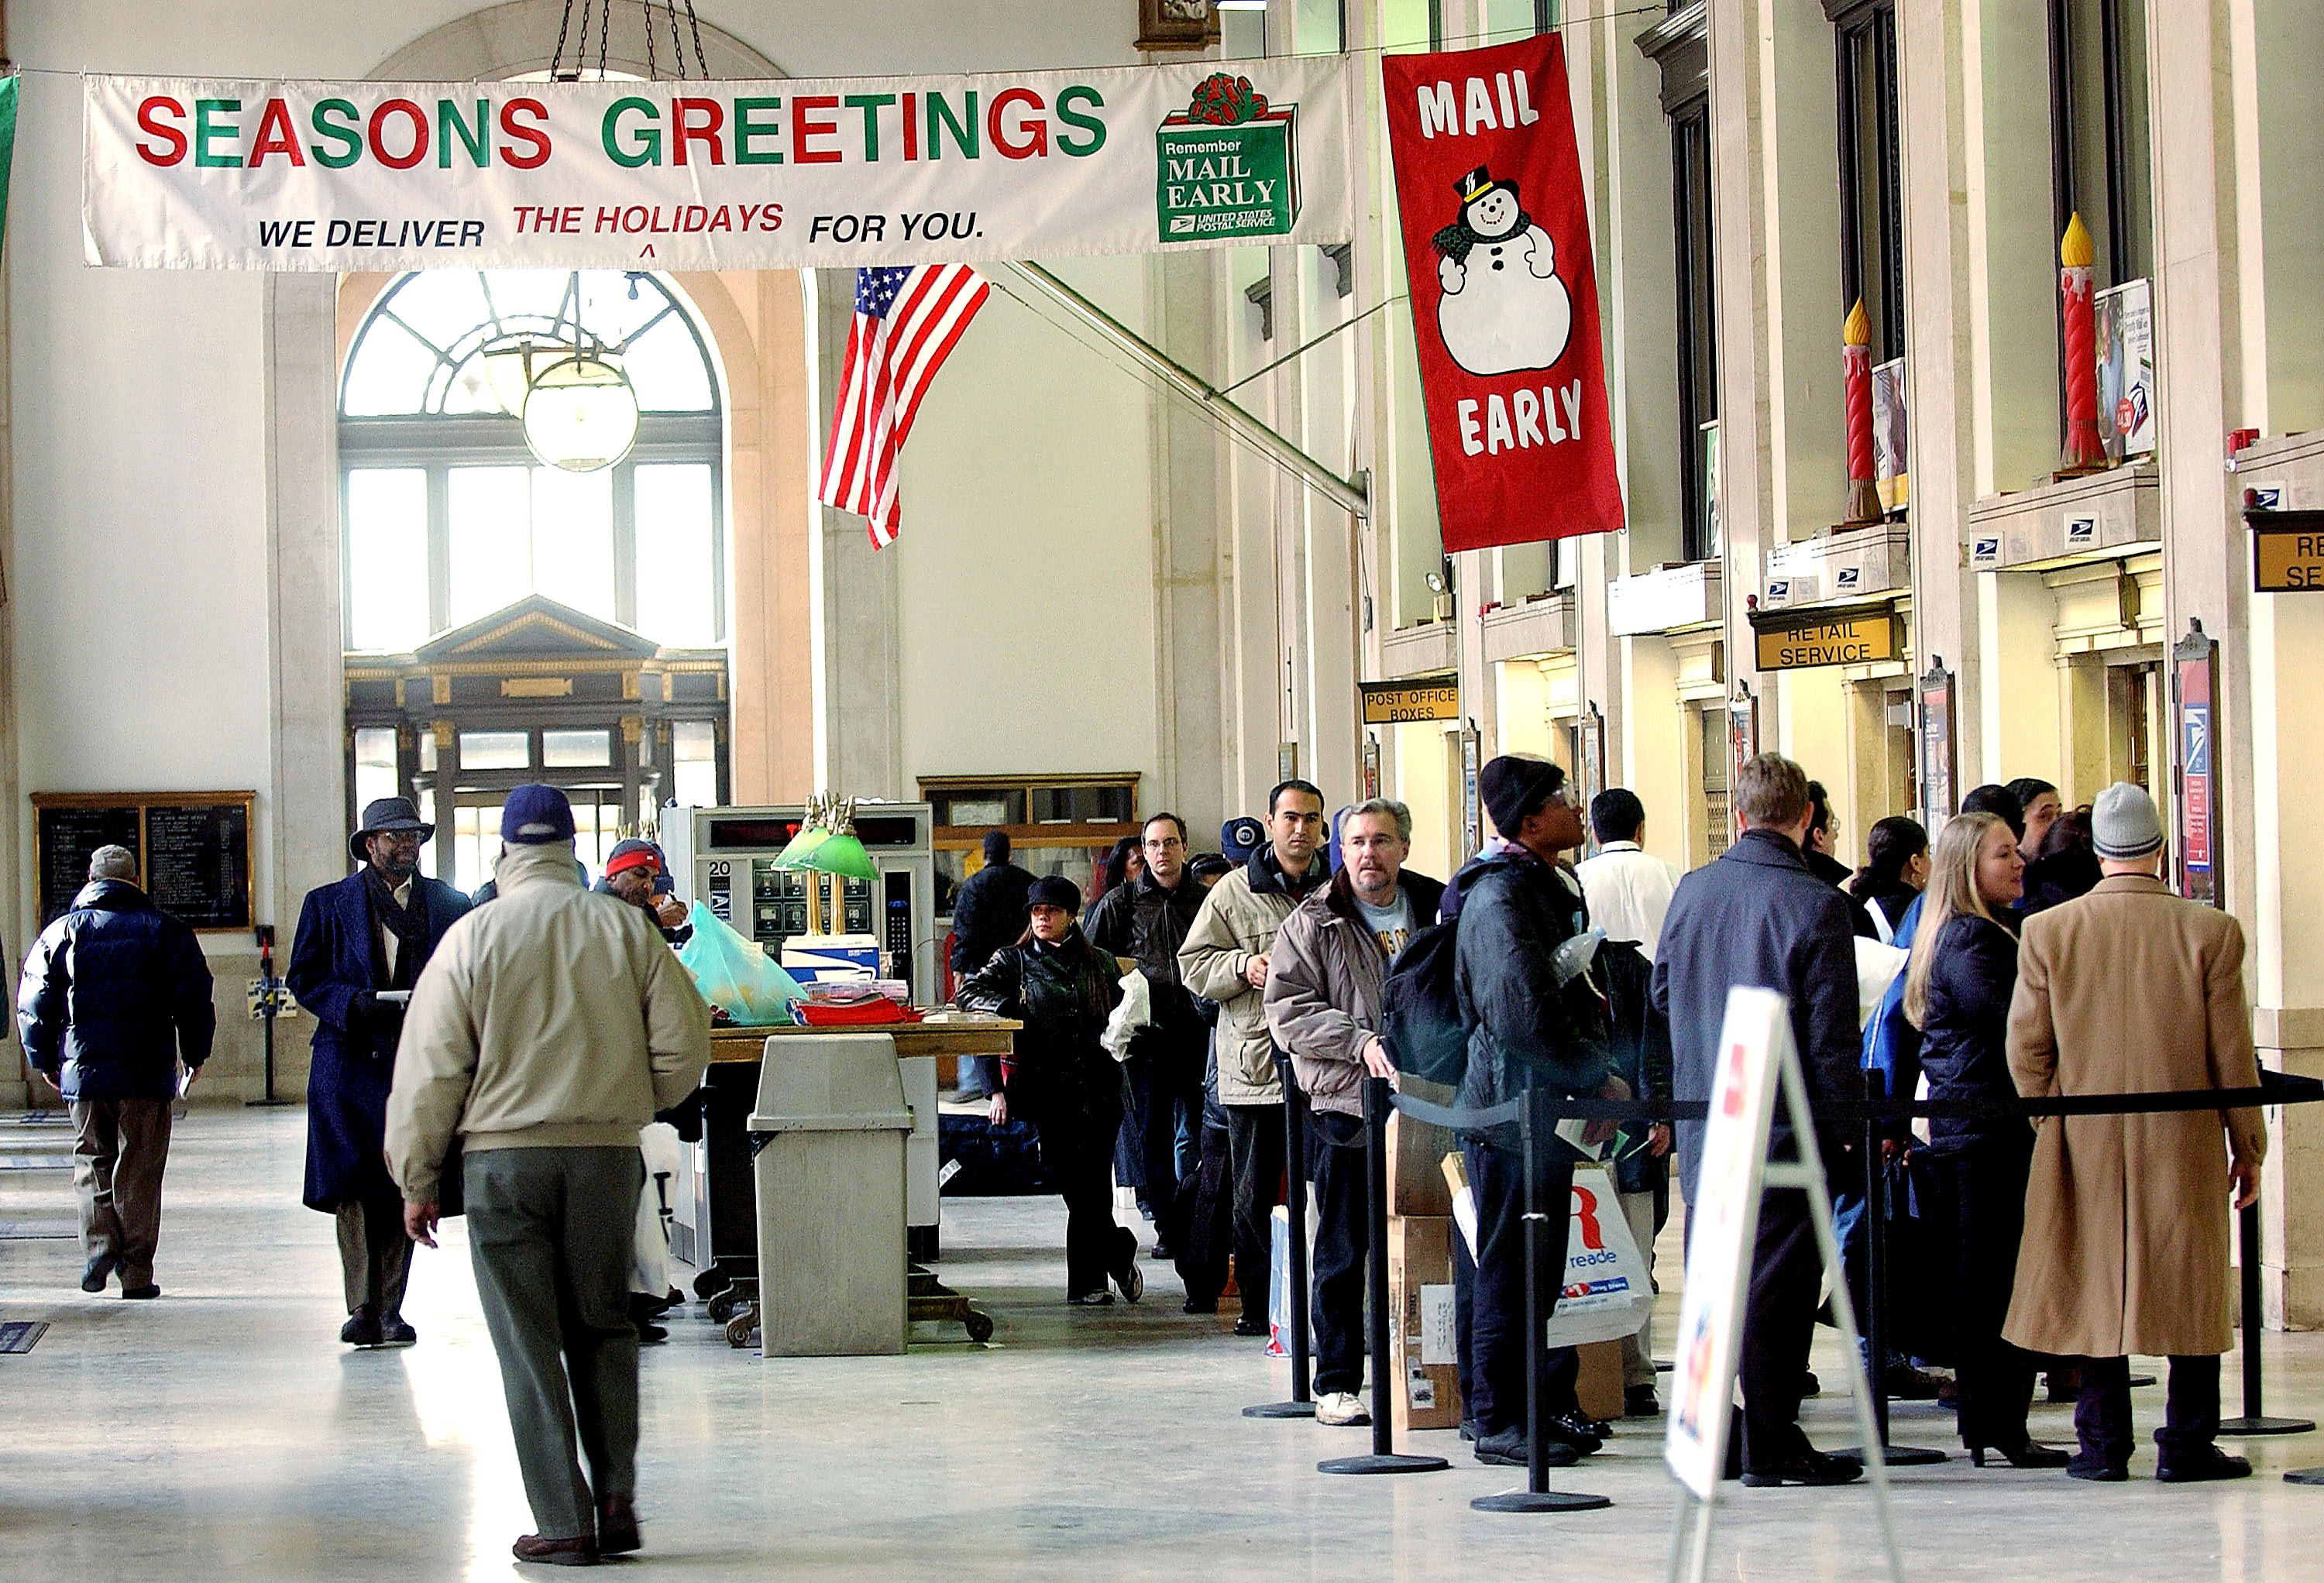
x=574, y=399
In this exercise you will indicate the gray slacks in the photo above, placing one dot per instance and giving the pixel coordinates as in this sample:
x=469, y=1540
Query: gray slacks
x=552, y=1232
x=120, y=1148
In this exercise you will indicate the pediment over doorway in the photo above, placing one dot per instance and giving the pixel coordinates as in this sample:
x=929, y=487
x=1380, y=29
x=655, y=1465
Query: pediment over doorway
x=535, y=627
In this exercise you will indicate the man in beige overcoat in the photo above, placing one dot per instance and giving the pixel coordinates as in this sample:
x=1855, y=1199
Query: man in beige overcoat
x=2131, y=988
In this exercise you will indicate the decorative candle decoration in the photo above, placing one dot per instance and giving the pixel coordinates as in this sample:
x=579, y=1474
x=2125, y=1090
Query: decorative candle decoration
x=1856, y=371
x=2085, y=448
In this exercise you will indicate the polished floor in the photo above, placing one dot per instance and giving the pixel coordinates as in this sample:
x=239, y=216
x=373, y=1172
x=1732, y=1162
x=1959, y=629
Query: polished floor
x=222, y=1435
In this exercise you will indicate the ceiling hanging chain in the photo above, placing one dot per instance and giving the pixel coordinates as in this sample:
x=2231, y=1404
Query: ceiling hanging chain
x=581, y=50
x=564, y=25
x=694, y=23
x=677, y=45
x=653, y=69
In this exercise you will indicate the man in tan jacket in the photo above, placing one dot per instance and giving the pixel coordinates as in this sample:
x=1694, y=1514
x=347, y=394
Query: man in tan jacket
x=1224, y=961
x=545, y=1031
x=2133, y=989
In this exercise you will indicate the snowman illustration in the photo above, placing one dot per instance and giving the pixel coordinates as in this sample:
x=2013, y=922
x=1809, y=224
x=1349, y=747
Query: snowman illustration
x=1504, y=308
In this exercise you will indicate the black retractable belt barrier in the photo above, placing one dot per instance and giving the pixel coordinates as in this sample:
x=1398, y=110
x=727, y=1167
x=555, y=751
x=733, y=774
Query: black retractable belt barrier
x=1384, y=1458
x=1295, y=1198
x=1537, y=1496
x=1876, y=1206
x=2274, y=1088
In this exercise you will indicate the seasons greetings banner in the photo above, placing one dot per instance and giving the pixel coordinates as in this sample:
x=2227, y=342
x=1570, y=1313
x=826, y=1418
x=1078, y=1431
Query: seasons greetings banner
x=1504, y=293
x=209, y=174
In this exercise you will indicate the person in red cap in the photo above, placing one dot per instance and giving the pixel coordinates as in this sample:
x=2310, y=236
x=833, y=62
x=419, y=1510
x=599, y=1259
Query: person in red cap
x=636, y=873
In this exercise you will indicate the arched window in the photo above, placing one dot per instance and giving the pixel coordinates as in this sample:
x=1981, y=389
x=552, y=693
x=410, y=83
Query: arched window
x=449, y=515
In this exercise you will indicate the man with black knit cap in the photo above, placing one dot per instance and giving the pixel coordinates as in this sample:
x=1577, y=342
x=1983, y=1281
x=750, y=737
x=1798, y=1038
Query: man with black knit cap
x=1533, y=1023
x=360, y=946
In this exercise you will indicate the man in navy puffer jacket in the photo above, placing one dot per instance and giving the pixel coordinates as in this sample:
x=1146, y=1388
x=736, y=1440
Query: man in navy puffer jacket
x=114, y=993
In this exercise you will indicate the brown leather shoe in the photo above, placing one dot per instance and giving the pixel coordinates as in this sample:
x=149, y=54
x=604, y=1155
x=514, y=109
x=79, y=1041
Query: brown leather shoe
x=579, y=1551
x=617, y=1526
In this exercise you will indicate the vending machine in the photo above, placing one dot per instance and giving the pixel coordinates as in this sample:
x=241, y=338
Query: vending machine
x=725, y=859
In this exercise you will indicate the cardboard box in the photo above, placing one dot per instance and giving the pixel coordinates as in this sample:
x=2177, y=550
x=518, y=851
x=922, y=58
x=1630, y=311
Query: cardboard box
x=1426, y=1393
x=1600, y=1384
x=1415, y=1156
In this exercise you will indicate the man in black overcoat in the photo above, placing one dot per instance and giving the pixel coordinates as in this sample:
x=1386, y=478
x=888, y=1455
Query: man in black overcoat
x=1758, y=917
x=361, y=945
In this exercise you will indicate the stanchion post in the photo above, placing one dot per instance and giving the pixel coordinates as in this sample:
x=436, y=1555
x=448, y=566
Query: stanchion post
x=269, y=1007
x=2255, y=1420
x=1383, y=1458
x=1537, y=1496
x=1295, y=1198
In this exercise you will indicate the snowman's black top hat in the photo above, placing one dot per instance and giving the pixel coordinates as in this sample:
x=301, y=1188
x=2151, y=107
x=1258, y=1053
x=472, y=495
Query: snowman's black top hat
x=1477, y=183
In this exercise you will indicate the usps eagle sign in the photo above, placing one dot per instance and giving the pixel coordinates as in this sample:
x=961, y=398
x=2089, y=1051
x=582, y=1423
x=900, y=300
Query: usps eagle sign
x=1504, y=293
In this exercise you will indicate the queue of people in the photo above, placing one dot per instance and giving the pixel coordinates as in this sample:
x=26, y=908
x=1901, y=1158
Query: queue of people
x=500, y=1060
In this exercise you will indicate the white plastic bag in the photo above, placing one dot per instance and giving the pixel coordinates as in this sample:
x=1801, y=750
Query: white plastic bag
x=1608, y=1293
x=1877, y=967
x=1135, y=1011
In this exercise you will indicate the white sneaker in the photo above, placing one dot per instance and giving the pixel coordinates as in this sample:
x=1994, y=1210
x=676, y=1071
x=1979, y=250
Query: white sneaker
x=1340, y=1409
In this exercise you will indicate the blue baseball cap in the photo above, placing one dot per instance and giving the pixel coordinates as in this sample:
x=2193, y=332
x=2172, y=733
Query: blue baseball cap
x=535, y=815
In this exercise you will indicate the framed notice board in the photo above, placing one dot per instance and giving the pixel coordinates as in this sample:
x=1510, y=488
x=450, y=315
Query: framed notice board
x=193, y=850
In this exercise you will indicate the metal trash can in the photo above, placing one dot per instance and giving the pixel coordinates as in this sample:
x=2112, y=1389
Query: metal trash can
x=827, y=1138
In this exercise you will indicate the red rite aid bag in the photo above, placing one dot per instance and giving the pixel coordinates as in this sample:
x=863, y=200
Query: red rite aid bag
x=1606, y=1294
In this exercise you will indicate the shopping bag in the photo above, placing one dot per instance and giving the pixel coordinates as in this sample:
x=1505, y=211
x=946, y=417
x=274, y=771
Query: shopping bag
x=1278, y=1288
x=734, y=975
x=1606, y=1292
x=1133, y=1012
x=1877, y=966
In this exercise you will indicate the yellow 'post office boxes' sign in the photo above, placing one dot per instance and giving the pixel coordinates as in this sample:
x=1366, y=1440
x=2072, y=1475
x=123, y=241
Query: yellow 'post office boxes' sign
x=1852, y=637
x=1396, y=703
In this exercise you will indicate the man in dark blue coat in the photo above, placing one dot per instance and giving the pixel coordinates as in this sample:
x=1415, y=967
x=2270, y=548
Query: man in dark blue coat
x=360, y=947
x=114, y=993
x=1759, y=918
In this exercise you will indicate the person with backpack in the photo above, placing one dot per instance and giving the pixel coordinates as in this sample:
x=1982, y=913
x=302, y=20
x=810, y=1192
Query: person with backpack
x=1322, y=1000
x=1533, y=1021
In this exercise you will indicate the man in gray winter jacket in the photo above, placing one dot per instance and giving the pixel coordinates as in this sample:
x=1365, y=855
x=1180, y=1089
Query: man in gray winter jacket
x=1326, y=981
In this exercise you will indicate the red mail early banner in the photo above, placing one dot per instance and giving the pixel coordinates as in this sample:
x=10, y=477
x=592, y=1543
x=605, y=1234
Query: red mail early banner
x=1504, y=293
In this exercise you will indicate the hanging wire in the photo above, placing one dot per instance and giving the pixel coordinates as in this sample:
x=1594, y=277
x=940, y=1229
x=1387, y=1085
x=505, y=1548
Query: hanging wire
x=694, y=23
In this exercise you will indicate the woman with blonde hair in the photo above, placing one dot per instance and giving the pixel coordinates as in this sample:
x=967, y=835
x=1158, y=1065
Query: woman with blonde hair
x=1957, y=991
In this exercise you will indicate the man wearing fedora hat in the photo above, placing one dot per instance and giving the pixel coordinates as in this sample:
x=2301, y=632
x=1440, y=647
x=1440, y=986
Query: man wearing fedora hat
x=360, y=946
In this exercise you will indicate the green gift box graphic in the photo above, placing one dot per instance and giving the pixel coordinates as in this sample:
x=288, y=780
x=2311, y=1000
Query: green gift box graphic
x=1239, y=179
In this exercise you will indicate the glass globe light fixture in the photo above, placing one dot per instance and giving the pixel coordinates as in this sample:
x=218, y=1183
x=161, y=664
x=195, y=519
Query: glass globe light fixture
x=581, y=414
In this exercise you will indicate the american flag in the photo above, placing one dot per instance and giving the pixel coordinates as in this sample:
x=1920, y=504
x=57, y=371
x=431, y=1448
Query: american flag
x=907, y=321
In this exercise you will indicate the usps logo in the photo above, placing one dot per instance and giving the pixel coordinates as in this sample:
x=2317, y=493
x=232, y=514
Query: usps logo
x=1779, y=590
x=2199, y=739
x=2081, y=532
x=1986, y=551
x=1850, y=575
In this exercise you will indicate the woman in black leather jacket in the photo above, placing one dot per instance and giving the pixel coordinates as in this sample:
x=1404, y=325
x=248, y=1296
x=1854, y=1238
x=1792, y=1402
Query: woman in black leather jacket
x=1956, y=990
x=1061, y=1078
